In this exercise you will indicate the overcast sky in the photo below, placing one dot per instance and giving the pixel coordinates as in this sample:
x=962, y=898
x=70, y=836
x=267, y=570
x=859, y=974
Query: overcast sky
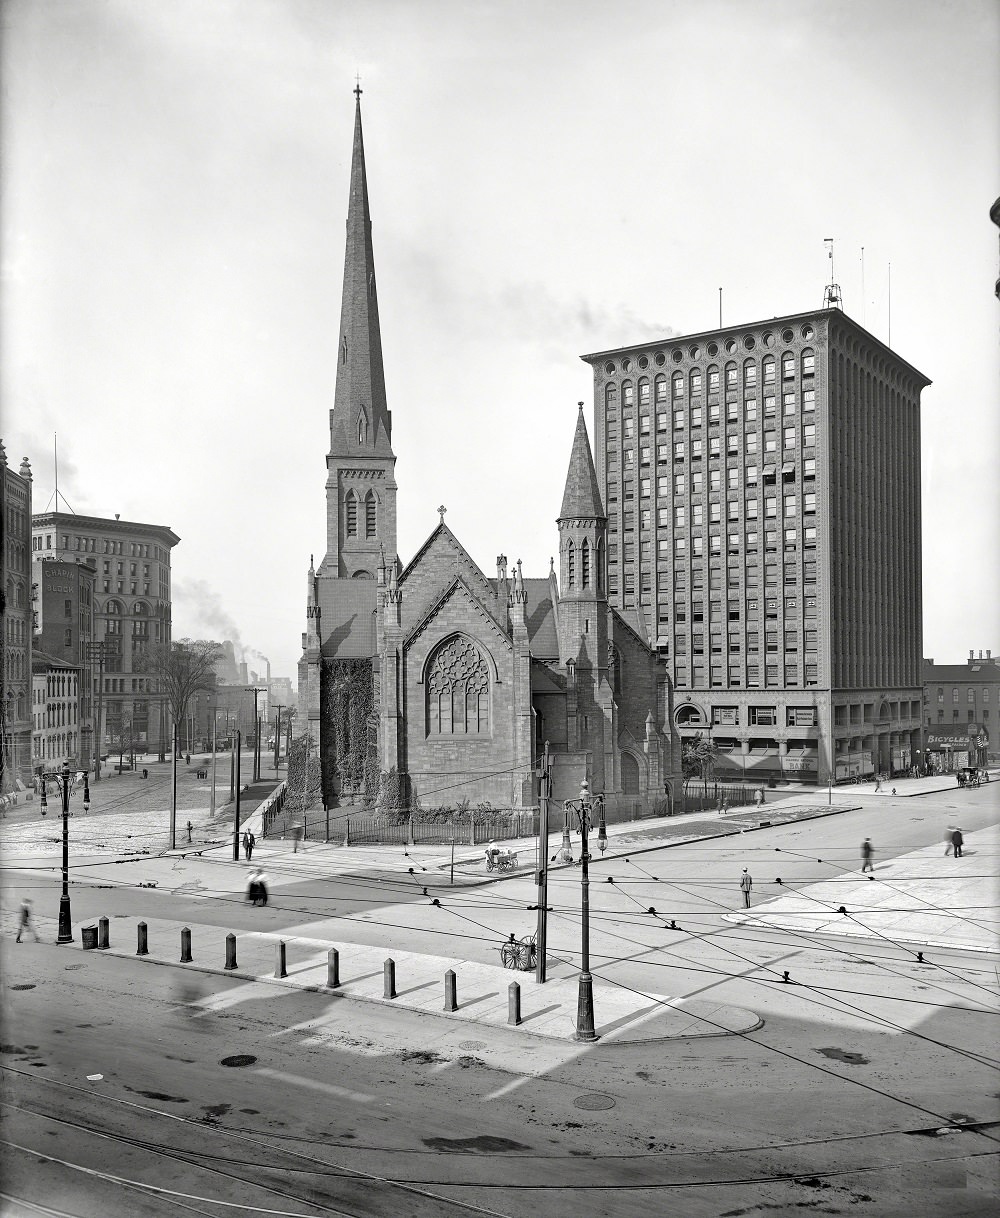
x=546, y=179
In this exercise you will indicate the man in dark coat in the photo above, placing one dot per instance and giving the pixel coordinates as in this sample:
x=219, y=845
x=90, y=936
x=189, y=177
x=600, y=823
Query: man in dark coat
x=956, y=841
x=866, y=855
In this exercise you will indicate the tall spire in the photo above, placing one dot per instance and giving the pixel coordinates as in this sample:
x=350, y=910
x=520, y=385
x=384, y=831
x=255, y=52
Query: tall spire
x=582, y=496
x=360, y=422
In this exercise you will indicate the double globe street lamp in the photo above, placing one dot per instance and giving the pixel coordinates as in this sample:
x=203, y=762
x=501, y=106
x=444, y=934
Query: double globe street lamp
x=586, y=808
x=63, y=777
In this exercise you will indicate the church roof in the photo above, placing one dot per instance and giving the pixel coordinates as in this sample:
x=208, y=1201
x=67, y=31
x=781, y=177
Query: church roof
x=582, y=496
x=360, y=422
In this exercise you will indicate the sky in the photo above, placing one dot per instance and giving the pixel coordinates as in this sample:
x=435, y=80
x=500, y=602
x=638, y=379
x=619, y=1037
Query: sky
x=546, y=179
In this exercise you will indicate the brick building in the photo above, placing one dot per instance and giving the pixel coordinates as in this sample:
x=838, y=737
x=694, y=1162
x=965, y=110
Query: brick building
x=62, y=597
x=468, y=675
x=763, y=492
x=131, y=610
x=961, y=709
x=15, y=613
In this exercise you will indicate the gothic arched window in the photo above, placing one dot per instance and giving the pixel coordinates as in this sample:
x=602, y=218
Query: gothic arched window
x=458, y=690
x=362, y=427
x=571, y=565
x=585, y=564
x=370, y=514
x=351, y=504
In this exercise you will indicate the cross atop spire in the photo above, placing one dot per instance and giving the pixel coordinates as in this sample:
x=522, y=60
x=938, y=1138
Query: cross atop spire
x=357, y=88
x=442, y=509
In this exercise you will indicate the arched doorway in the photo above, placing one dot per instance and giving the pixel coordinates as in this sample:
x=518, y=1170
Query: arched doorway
x=630, y=775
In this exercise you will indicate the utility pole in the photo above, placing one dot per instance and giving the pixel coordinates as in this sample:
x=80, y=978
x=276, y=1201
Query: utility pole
x=236, y=826
x=97, y=651
x=62, y=777
x=173, y=789
x=255, y=690
x=544, y=794
x=215, y=728
x=279, y=707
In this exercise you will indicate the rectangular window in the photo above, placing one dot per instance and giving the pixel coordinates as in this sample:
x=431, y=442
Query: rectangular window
x=678, y=420
x=714, y=446
x=733, y=477
x=809, y=535
x=696, y=513
x=644, y=454
x=809, y=435
x=750, y=411
x=788, y=437
x=644, y=487
x=697, y=546
x=696, y=482
x=713, y=413
x=769, y=408
x=695, y=416
x=762, y=716
x=750, y=442
x=789, y=505
x=715, y=480
x=970, y=695
x=714, y=513
x=809, y=501
x=732, y=411
x=680, y=517
x=809, y=399
x=679, y=451
x=770, y=442
x=695, y=449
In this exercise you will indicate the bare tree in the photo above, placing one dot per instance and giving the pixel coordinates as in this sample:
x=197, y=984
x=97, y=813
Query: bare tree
x=181, y=669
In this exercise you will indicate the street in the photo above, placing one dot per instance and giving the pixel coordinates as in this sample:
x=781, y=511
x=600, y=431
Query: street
x=849, y=1097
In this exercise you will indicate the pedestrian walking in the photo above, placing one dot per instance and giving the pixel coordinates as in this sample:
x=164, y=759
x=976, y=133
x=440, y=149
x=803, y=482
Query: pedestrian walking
x=866, y=855
x=296, y=836
x=759, y=796
x=949, y=845
x=746, y=884
x=246, y=845
x=24, y=922
x=956, y=841
x=878, y=784
x=250, y=843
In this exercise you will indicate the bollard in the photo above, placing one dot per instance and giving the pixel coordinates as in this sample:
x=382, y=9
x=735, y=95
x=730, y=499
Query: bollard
x=450, y=991
x=186, y=945
x=143, y=949
x=514, y=1004
x=103, y=933
x=389, y=978
x=279, y=959
x=332, y=968
x=230, y=951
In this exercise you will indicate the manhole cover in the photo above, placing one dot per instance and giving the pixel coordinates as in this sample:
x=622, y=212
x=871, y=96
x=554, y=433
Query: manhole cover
x=238, y=1059
x=26, y=986
x=594, y=1102
x=472, y=1044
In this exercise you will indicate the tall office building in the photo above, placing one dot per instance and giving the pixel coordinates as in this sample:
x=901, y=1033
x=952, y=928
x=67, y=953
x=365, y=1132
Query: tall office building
x=762, y=485
x=131, y=610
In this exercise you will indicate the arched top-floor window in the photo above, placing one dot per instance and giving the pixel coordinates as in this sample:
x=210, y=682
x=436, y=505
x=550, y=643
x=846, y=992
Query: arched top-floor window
x=768, y=367
x=661, y=388
x=628, y=393
x=787, y=366
x=730, y=376
x=808, y=362
x=113, y=607
x=678, y=384
x=585, y=564
x=458, y=689
x=571, y=565
x=610, y=395
x=643, y=391
x=695, y=381
x=351, y=514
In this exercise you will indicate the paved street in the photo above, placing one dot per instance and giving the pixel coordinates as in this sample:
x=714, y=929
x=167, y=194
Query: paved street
x=808, y=1090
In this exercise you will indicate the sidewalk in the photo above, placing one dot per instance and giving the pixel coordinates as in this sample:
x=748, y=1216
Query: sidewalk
x=622, y=1016
x=922, y=898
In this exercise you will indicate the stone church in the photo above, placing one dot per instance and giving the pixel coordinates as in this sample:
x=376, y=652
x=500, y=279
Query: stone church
x=432, y=682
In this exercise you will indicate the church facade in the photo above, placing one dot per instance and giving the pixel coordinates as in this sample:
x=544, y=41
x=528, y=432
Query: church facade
x=431, y=683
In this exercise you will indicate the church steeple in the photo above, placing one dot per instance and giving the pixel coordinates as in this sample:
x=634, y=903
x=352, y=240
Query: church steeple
x=582, y=496
x=360, y=422
x=360, y=484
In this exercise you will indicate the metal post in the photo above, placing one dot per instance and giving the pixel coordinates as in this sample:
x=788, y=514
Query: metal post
x=333, y=968
x=514, y=1003
x=65, y=920
x=103, y=933
x=186, y=945
x=236, y=825
x=541, y=934
x=232, y=762
x=142, y=948
x=280, y=968
x=450, y=991
x=230, y=951
x=389, y=978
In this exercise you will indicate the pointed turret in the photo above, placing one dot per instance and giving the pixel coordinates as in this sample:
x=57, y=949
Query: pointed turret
x=582, y=496
x=360, y=422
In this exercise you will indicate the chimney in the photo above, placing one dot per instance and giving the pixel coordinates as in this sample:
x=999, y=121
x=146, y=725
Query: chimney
x=243, y=672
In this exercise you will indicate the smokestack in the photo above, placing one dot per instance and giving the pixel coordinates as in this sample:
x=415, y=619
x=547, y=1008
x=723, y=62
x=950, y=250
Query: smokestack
x=268, y=663
x=243, y=672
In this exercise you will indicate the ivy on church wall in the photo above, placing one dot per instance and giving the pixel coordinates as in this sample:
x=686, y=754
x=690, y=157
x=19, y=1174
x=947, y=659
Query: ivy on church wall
x=348, y=731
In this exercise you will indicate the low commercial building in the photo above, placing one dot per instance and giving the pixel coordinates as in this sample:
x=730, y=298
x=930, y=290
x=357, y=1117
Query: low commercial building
x=15, y=614
x=961, y=703
x=55, y=713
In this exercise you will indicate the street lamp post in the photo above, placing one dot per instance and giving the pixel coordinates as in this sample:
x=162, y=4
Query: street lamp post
x=279, y=707
x=585, y=808
x=62, y=777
